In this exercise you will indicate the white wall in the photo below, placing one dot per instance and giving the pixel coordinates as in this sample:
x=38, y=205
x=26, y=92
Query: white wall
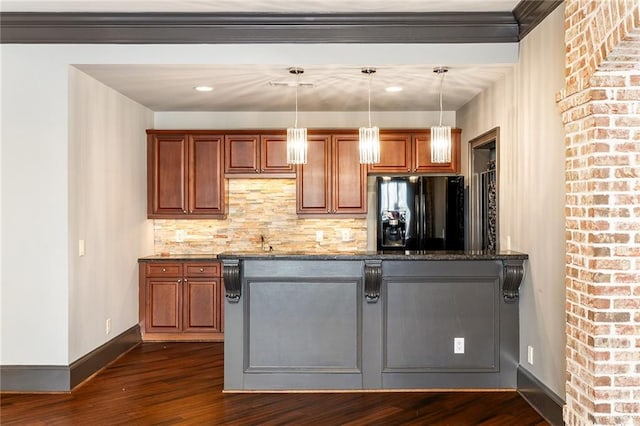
x=531, y=188
x=39, y=281
x=107, y=209
x=310, y=119
x=34, y=323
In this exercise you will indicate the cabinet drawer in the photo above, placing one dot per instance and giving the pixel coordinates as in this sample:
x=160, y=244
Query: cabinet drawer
x=193, y=270
x=164, y=270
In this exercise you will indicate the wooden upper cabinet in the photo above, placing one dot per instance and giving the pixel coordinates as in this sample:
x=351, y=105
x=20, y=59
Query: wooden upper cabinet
x=206, y=184
x=167, y=175
x=395, y=154
x=184, y=176
x=313, y=180
x=349, y=176
x=273, y=154
x=241, y=154
x=251, y=155
x=422, y=154
x=410, y=152
x=333, y=181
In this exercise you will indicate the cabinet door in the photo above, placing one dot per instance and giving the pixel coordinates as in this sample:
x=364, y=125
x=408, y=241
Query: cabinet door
x=273, y=154
x=241, y=154
x=313, y=179
x=202, y=305
x=163, y=305
x=422, y=154
x=349, y=180
x=206, y=184
x=395, y=154
x=166, y=175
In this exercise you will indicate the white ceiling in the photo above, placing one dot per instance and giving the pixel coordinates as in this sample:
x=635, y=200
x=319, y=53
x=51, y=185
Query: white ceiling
x=245, y=87
x=335, y=88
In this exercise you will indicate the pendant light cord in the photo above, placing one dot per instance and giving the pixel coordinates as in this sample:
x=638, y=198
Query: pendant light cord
x=370, y=77
x=297, y=85
x=441, y=82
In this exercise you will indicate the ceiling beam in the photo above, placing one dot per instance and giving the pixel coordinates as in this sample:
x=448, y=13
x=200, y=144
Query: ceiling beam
x=216, y=28
x=530, y=13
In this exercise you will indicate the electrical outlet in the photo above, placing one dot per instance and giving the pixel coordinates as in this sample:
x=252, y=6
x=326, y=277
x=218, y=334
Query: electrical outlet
x=180, y=236
x=530, y=354
x=346, y=234
x=108, y=326
x=458, y=345
x=319, y=236
x=81, y=247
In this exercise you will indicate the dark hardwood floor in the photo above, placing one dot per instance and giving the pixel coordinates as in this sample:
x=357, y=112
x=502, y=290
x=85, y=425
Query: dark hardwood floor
x=181, y=383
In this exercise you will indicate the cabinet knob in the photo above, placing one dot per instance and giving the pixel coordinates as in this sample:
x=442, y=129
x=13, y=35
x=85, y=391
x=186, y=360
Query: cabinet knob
x=408, y=170
x=184, y=211
x=179, y=281
x=190, y=211
x=201, y=269
x=328, y=210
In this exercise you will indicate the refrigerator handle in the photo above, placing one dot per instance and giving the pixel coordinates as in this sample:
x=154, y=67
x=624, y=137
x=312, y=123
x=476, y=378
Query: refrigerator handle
x=423, y=224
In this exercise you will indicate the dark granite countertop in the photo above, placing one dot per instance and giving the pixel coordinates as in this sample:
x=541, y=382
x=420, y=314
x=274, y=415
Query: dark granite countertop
x=179, y=258
x=391, y=255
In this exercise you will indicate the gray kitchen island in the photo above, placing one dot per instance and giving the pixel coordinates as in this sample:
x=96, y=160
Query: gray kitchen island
x=371, y=321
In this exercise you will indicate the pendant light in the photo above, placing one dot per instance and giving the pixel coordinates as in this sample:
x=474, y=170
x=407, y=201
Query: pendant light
x=441, y=135
x=369, y=136
x=296, y=136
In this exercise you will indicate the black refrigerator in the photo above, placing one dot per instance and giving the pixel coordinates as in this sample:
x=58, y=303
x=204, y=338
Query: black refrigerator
x=420, y=213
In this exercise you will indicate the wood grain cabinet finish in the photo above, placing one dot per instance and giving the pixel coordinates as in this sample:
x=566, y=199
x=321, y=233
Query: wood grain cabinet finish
x=184, y=175
x=333, y=182
x=257, y=155
x=181, y=301
x=410, y=152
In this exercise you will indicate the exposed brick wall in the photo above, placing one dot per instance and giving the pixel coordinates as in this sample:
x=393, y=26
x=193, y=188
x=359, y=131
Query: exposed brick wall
x=601, y=112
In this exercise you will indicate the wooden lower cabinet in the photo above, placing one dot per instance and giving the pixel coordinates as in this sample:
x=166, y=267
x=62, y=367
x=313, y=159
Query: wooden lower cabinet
x=181, y=301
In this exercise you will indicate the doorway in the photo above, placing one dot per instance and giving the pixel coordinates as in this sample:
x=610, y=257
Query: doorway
x=484, y=170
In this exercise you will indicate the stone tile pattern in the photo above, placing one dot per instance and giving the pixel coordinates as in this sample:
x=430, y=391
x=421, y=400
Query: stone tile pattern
x=601, y=111
x=260, y=207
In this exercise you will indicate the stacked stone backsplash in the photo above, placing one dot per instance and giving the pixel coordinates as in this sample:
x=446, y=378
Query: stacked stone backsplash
x=260, y=207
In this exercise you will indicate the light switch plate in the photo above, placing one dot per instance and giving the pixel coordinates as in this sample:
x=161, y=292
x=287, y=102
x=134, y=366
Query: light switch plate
x=81, y=247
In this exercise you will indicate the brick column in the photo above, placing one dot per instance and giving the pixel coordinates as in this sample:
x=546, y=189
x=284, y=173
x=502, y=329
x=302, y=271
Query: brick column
x=601, y=111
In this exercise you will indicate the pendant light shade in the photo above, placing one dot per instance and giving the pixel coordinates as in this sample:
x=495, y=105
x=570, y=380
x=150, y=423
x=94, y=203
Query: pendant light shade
x=296, y=136
x=441, y=144
x=369, y=145
x=441, y=135
x=297, y=145
x=369, y=136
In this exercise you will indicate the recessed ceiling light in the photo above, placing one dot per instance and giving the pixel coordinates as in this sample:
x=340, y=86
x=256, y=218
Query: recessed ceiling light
x=203, y=88
x=392, y=89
